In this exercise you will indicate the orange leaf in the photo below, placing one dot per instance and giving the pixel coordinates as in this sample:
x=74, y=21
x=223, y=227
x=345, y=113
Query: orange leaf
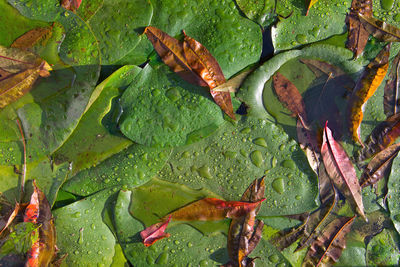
x=365, y=87
x=210, y=209
x=341, y=171
x=155, y=232
x=32, y=37
x=39, y=212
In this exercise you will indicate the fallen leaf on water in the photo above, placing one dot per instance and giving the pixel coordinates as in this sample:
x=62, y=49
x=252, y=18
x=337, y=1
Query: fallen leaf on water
x=365, y=87
x=289, y=95
x=233, y=84
x=358, y=35
x=379, y=166
x=307, y=139
x=245, y=232
x=328, y=247
x=383, y=135
x=32, y=37
x=209, y=209
x=71, y=4
x=341, y=171
x=309, y=4
x=38, y=212
x=193, y=62
x=155, y=232
x=391, y=97
x=380, y=30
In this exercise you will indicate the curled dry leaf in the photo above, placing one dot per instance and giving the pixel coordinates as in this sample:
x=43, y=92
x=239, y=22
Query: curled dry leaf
x=391, y=97
x=71, y=4
x=328, y=247
x=379, y=166
x=380, y=29
x=358, y=35
x=155, y=232
x=193, y=62
x=341, y=171
x=366, y=86
x=11, y=217
x=39, y=212
x=245, y=232
x=289, y=95
x=32, y=37
x=383, y=135
x=23, y=73
x=308, y=142
x=209, y=209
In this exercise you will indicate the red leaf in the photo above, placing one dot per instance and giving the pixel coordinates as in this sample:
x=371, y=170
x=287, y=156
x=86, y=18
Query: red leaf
x=341, y=170
x=71, y=4
x=155, y=232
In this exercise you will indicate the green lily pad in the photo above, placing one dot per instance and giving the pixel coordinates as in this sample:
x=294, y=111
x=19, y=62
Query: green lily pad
x=88, y=8
x=82, y=233
x=382, y=250
x=162, y=110
x=117, y=26
x=228, y=161
x=261, y=12
x=232, y=39
x=131, y=167
x=353, y=255
x=393, y=193
x=46, y=10
x=91, y=142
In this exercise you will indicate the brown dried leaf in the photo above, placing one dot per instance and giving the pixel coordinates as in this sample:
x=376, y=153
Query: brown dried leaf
x=358, y=35
x=72, y=5
x=366, y=86
x=379, y=166
x=289, y=95
x=391, y=97
x=307, y=139
x=11, y=217
x=32, y=37
x=233, y=84
x=380, y=29
x=383, y=135
x=341, y=171
x=328, y=247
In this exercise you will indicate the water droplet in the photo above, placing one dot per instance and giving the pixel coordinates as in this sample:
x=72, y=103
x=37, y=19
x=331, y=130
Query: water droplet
x=278, y=185
x=257, y=158
x=397, y=17
x=185, y=154
x=260, y=142
x=387, y=4
x=163, y=258
x=173, y=94
x=289, y=164
x=204, y=172
x=189, y=245
x=274, y=258
x=245, y=130
x=230, y=154
x=243, y=153
x=301, y=38
x=150, y=260
x=76, y=214
x=80, y=240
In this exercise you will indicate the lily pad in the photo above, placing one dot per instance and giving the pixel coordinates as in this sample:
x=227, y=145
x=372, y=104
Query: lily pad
x=394, y=193
x=82, y=233
x=91, y=142
x=262, y=12
x=46, y=10
x=162, y=110
x=229, y=160
x=382, y=250
x=131, y=167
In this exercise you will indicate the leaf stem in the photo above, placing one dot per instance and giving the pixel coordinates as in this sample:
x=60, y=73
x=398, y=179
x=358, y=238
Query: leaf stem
x=24, y=166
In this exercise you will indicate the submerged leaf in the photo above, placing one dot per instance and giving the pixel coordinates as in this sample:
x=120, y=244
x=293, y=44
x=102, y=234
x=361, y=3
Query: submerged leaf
x=32, y=37
x=341, y=171
x=328, y=247
x=289, y=95
x=39, y=212
x=391, y=97
x=358, y=35
x=155, y=232
x=383, y=135
x=379, y=166
x=380, y=29
x=366, y=86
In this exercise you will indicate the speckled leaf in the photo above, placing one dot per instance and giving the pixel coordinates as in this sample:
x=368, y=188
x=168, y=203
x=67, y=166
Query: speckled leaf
x=368, y=82
x=91, y=142
x=382, y=250
x=173, y=112
x=379, y=166
x=235, y=155
x=391, y=100
x=382, y=136
x=82, y=232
